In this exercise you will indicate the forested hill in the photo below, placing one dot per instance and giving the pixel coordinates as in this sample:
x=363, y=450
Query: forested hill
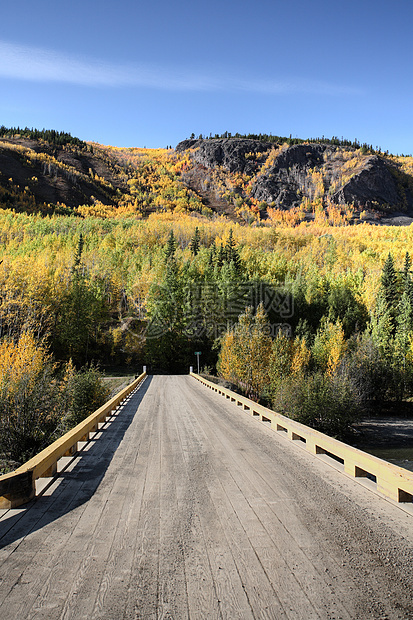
x=247, y=179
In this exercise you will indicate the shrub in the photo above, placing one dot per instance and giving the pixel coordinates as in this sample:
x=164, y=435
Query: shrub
x=328, y=403
x=29, y=397
x=36, y=407
x=82, y=393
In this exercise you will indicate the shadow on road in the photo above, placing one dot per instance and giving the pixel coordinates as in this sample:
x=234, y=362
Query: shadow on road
x=79, y=481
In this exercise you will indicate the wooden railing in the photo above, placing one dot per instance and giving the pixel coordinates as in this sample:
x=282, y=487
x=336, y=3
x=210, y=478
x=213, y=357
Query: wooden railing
x=19, y=487
x=395, y=483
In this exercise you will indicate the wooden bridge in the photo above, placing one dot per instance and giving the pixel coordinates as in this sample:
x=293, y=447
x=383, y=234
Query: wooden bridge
x=181, y=505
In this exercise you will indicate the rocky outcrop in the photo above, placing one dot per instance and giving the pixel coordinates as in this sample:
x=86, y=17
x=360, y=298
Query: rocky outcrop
x=289, y=179
x=284, y=184
x=229, y=153
x=373, y=185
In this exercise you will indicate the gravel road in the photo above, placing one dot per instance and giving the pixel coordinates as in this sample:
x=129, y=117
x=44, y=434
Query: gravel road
x=186, y=507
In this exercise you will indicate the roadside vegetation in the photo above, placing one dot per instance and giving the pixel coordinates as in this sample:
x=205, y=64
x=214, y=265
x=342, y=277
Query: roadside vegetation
x=39, y=401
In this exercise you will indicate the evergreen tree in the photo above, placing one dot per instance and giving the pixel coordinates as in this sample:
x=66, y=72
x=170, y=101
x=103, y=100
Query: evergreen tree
x=383, y=322
x=82, y=310
x=382, y=327
x=407, y=279
x=406, y=267
x=195, y=243
x=402, y=343
x=212, y=255
x=171, y=246
x=389, y=284
x=220, y=257
x=232, y=253
x=78, y=255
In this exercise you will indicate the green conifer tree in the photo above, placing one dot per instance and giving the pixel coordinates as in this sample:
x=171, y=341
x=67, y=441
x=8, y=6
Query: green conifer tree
x=195, y=243
x=402, y=342
x=232, y=253
x=389, y=284
x=171, y=246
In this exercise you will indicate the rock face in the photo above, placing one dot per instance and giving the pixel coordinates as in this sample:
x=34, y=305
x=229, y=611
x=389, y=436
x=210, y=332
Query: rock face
x=285, y=182
x=373, y=184
x=229, y=153
x=56, y=185
x=292, y=175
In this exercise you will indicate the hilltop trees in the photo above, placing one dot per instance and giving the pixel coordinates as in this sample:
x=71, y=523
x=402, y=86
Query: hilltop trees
x=49, y=135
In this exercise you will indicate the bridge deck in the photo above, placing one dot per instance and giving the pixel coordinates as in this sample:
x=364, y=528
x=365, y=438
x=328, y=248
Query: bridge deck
x=186, y=507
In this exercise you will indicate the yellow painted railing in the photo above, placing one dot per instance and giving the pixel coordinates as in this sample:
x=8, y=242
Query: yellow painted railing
x=390, y=480
x=18, y=487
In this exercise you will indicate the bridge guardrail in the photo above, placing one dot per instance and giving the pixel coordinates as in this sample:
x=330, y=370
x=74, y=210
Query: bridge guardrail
x=18, y=487
x=392, y=481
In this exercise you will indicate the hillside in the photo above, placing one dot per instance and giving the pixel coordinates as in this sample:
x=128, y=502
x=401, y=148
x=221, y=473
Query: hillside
x=258, y=176
x=245, y=179
x=38, y=176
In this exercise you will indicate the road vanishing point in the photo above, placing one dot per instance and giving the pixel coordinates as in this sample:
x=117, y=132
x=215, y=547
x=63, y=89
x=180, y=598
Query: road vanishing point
x=184, y=506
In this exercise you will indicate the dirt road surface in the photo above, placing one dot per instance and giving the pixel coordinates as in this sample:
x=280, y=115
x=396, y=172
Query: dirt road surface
x=187, y=507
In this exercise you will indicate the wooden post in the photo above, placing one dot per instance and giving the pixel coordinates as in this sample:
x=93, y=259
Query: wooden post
x=71, y=451
x=16, y=490
x=50, y=471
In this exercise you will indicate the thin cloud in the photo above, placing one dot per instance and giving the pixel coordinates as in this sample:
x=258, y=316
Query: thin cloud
x=41, y=65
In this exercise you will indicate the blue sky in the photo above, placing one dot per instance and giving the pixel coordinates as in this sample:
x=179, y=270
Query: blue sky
x=131, y=73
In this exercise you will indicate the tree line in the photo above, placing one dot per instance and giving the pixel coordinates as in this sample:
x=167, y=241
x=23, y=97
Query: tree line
x=264, y=137
x=57, y=138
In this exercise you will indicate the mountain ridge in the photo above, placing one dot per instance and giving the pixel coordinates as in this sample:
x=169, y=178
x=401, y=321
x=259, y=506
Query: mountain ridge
x=245, y=179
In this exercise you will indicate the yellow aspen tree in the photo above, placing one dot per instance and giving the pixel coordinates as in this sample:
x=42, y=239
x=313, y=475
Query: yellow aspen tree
x=226, y=366
x=329, y=346
x=301, y=356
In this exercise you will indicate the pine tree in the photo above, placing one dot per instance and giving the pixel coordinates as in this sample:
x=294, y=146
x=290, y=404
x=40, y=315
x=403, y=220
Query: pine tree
x=382, y=327
x=232, y=253
x=171, y=246
x=402, y=342
x=78, y=255
x=195, y=243
x=406, y=268
x=212, y=255
x=221, y=256
x=389, y=283
x=407, y=279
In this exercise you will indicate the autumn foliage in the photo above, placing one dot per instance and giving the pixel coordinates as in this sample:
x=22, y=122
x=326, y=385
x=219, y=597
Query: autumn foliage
x=310, y=314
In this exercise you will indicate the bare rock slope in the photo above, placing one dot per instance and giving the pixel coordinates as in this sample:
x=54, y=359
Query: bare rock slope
x=285, y=177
